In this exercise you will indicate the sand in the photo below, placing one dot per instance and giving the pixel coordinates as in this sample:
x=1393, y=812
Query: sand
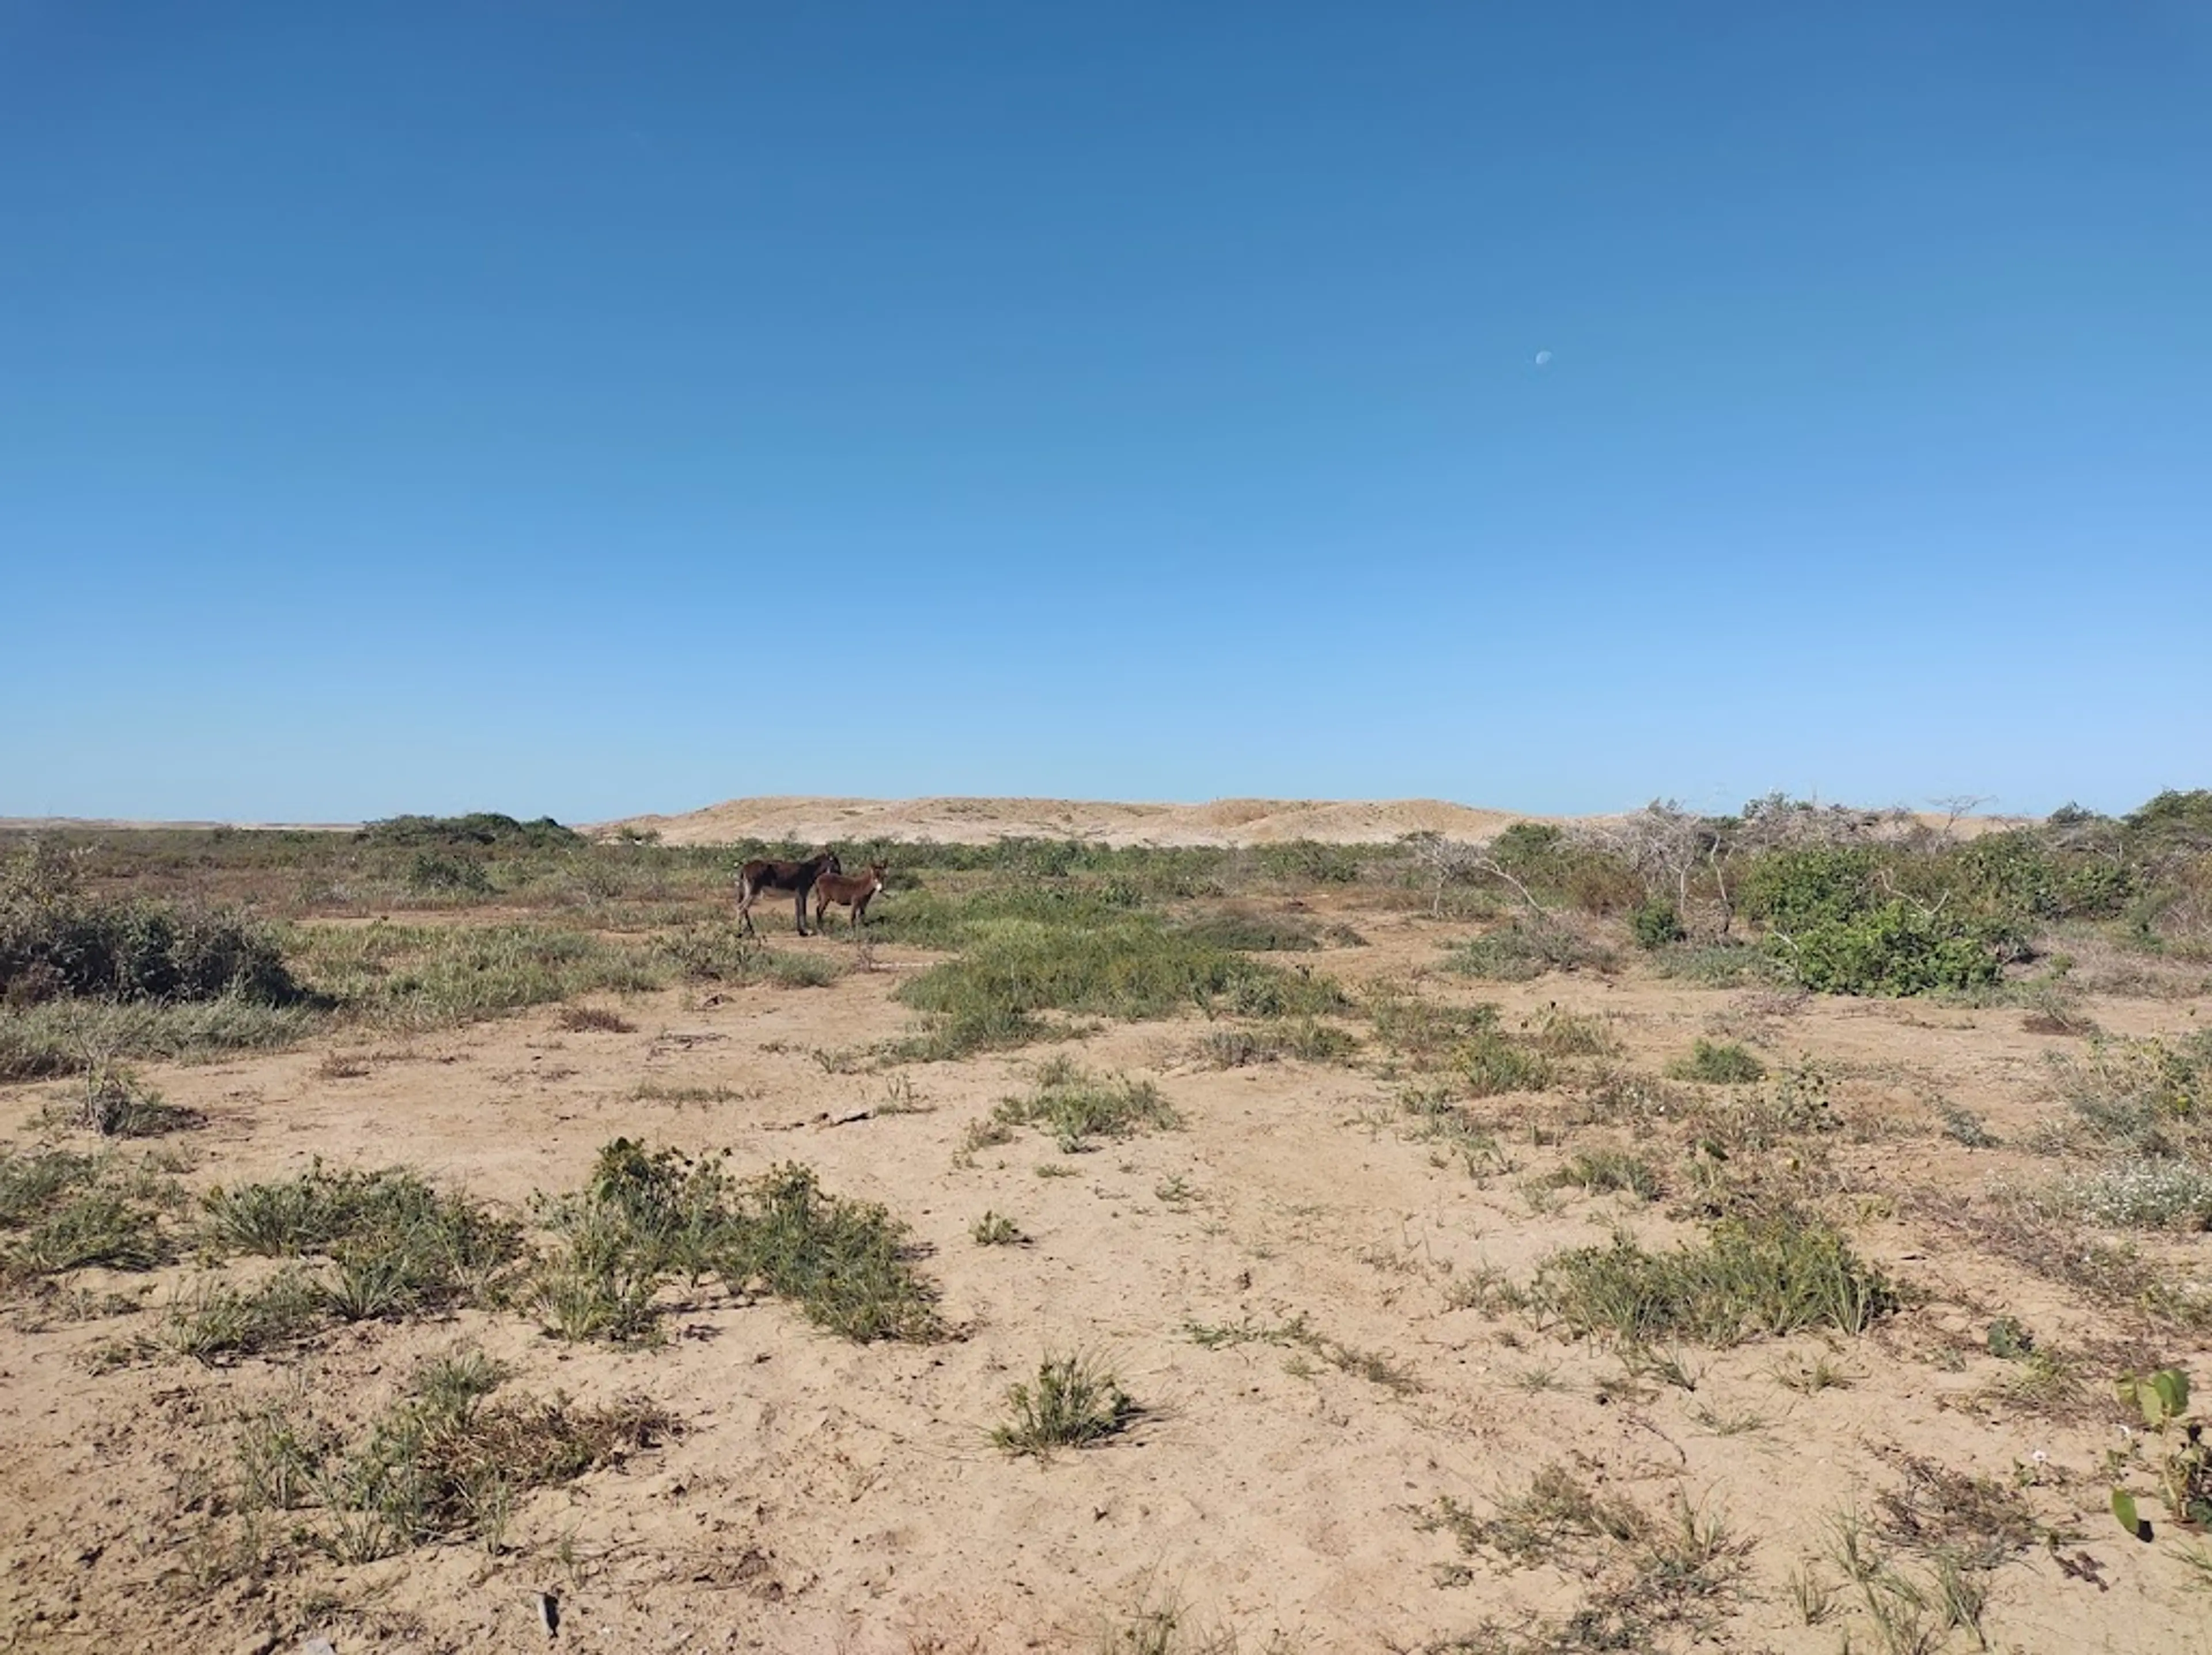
x=826, y=1496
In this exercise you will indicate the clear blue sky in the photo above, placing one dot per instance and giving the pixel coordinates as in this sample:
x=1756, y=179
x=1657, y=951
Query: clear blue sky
x=584, y=408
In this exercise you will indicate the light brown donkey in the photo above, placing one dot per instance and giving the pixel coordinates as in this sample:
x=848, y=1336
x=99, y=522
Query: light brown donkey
x=852, y=889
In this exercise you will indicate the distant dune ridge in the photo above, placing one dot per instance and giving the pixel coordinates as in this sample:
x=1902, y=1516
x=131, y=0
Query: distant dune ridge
x=979, y=821
x=807, y=820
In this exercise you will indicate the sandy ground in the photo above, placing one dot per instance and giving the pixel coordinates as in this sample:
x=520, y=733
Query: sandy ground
x=826, y=1496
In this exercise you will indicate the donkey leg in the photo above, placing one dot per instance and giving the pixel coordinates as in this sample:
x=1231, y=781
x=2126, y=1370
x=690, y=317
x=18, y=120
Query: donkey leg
x=799, y=908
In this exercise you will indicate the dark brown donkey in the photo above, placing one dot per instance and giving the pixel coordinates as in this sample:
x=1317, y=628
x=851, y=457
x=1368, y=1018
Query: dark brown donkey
x=798, y=878
x=853, y=890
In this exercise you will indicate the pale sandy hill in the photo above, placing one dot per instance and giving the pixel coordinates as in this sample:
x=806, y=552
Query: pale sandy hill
x=978, y=821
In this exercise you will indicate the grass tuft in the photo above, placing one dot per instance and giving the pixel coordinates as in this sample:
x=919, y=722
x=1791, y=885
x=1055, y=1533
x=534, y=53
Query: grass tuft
x=1073, y=1403
x=651, y=1217
x=1772, y=1277
x=1723, y=1063
x=1075, y=1106
x=61, y=1212
x=446, y=1462
x=1130, y=968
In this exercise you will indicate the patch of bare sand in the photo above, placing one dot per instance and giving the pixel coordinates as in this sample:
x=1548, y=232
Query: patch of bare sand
x=828, y=1496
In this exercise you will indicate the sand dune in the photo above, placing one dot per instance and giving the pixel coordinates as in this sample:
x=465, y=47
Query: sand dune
x=952, y=820
x=978, y=821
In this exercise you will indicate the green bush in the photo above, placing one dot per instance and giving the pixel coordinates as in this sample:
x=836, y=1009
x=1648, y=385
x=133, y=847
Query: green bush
x=1792, y=890
x=434, y=872
x=56, y=941
x=2021, y=875
x=1309, y=861
x=2174, y=821
x=1892, y=950
x=1525, y=949
x=480, y=828
x=1655, y=924
x=1558, y=868
x=1249, y=933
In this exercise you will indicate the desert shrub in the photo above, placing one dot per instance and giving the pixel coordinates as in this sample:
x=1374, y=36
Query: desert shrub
x=1601, y=1171
x=1309, y=861
x=845, y=1262
x=1420, y=1029
x=1722, y=1063
x=56, y=939
x=1655, y=922
x=1892, y=950
x=1524, y=949
x=650, y=1216
x=2150, y=1097
x=425, y=976
x=1076, y=1106
x=1963, y=1126
x=63, y=1037
x=595, y=1019
x=1776, y=1276
x=1249, y=933
x=216, y=1319
x=804, y=970
x=1792, y=889
x=1716, y=964
x=1560, y=1033
x=61, y=1212
x=953, y=917
x=1236, y=1048
x=1647, y=1583
x=482, y=828
x=2024, y=874
x=1489, y=1064
x=118, y=1104
x=1312, y=1041
x=432, y=873
x=443, y=1462
x=2173, y=821
x=1131, y=969
x=1574, y=871
x=397, y=1246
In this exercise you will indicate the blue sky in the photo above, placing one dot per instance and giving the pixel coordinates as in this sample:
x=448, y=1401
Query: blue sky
x=586, y=409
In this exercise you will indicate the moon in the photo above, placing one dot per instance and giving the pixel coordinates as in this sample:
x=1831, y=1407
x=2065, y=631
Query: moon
x=1543, y=356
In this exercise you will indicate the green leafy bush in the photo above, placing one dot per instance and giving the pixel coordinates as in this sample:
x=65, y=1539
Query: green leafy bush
x=1794, y=889
x=1655, y=922
x=1892, y=950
